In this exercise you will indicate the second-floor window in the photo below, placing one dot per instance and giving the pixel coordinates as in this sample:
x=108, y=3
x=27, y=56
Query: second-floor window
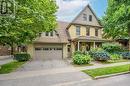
x=90, y=17
x=49, y=33
x=78, y=30
x=96, y=32
x=87, y=31
x=85, y=17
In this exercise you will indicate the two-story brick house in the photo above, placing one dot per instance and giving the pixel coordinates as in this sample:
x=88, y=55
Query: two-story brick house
x=82, y=34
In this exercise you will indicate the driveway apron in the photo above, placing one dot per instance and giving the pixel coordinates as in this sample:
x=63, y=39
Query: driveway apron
x=44, y=73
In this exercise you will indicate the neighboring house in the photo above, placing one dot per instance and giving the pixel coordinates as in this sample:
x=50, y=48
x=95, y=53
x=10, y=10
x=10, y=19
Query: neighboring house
x=82, y=34
x=124, y=42
x=4, y=50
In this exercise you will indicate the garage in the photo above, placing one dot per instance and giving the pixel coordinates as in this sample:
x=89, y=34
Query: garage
x=48, y=52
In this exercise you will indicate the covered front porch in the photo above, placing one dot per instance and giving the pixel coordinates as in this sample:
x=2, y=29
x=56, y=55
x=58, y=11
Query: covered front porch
x=86, y=46
x=87, y=43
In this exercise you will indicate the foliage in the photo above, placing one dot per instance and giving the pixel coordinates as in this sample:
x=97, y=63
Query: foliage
x=22, y=57
x=81, y=59
x=10, y=67
x=115, y=56
x=107, y=70
x=126, y=55
x=31, y=18
x=116, y=21
x=112, y=47
x=96, y=49
x=77, y=52
x=99, y=54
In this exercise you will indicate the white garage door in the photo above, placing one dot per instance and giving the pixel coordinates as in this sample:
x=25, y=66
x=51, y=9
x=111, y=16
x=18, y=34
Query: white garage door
x=48, y=53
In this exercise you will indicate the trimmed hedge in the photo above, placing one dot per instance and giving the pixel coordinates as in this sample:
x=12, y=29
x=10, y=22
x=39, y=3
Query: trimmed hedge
x=22, y=57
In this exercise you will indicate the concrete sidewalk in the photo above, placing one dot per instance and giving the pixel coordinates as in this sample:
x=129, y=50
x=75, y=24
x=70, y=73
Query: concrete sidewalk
x=6, y=60
x=102, y=65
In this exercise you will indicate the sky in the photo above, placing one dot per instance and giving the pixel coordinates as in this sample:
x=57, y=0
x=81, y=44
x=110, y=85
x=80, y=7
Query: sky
x=68, y=9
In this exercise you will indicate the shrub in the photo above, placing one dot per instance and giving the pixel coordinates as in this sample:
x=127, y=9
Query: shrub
x=99, y=54
x=112, y=47
x=126, y=55
x=77, y=52
x=81, y=59
x=22, y=57
x=115, y=56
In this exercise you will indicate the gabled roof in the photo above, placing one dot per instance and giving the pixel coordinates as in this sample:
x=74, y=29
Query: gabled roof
x=87, y=6
x=61, y=35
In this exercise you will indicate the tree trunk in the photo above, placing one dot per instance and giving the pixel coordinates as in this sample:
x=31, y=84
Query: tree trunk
x=129, y=35
x=12, y=49
x=129, y=40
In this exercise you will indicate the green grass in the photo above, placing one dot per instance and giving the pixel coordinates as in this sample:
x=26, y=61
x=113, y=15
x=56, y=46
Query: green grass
x=114, y=61
x=10, y=67
x=107, y=70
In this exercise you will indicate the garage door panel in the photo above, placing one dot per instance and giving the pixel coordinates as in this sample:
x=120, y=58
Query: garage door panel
x=48, y=53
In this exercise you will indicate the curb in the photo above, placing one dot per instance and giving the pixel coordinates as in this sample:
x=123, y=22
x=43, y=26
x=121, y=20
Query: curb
x=110, y=75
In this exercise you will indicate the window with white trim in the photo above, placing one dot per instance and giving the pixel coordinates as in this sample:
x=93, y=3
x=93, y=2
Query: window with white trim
x=78, y=30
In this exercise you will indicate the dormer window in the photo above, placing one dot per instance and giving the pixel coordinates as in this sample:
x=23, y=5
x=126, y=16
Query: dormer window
x=85, y=17
x=49, y=33
x=90, y=18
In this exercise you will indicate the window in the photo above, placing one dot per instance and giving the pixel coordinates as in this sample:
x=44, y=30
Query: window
x=96, y=32
x=45, y=48
x=87, y=31
x=69, y=48
x=47, y=33
x=38, y=48
x=58, y=48
x=78, y=30
x=84, y=17
x=51, y=33
x=90, y=17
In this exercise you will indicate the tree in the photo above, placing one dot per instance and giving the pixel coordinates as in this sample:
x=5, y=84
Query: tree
x=117, y=19
x=31, y=18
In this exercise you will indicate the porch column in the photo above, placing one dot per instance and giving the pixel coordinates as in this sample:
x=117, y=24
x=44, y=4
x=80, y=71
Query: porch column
x=94, y=45
x=78, y=46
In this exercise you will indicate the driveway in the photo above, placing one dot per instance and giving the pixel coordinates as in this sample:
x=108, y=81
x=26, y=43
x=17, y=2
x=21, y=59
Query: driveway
x=44, y=73
x=45, y=65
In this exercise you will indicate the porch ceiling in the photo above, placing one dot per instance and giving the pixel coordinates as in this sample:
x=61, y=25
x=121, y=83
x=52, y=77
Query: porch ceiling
x=91, y=39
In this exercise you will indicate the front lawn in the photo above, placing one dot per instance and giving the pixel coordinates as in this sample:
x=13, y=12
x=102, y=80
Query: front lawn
x=107, y=70
x=114, y=61
x=10, y=67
